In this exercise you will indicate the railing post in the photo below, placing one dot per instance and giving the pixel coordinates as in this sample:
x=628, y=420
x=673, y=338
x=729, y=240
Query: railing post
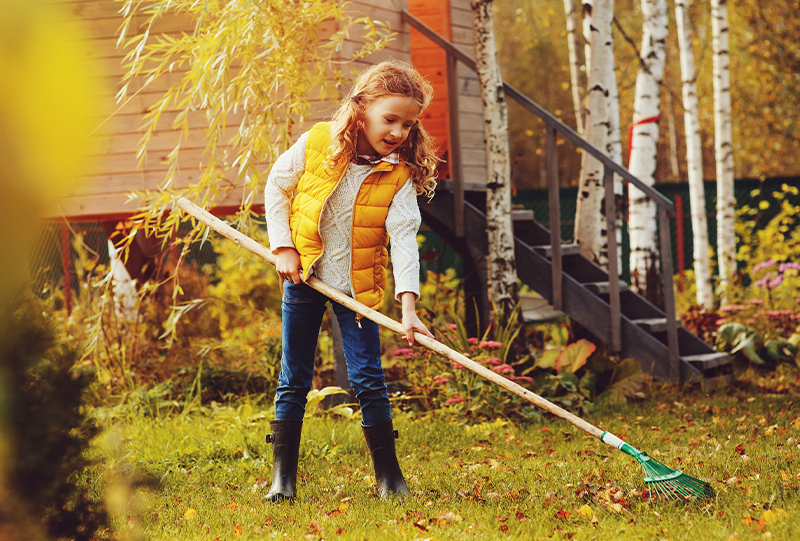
x=555, y=215
x=669, y=295
x=455, y=146
x=613, y=271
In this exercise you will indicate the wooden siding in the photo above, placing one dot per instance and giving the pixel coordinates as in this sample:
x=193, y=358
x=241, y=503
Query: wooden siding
x=473, y=149
x=431, y=61
x=103, y=192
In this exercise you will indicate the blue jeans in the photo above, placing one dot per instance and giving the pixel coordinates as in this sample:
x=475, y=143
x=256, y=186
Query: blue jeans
x=302, y=309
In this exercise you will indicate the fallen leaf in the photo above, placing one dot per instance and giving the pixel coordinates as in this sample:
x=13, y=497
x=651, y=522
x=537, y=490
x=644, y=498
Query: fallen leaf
x=770, y=517
x=190, y=514
x=238, y=530
x=503, y=528
x=585, y=511
x=740, y=449
x=563, y=514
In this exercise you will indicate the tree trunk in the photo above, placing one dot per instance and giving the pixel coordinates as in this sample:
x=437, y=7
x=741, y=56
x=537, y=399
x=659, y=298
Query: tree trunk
x=723, y=142
x=589, y=219
x=645, y=273
x=573, y=40
x=502, y=264
x=694, y=159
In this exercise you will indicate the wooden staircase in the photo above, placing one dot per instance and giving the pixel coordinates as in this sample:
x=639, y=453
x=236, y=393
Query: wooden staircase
x=585, y=290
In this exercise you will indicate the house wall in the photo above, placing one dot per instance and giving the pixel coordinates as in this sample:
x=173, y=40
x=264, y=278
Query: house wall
x=116, y=170
x=470, y=118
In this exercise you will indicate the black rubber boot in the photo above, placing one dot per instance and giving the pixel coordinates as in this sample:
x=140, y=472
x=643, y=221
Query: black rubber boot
x=285, y=440
x=380, y=440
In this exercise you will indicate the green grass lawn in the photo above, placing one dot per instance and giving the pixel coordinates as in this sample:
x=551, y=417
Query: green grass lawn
x=209, y=468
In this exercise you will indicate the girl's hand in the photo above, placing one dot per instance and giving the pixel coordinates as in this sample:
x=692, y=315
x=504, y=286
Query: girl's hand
x=411, y=324
x=287, y=263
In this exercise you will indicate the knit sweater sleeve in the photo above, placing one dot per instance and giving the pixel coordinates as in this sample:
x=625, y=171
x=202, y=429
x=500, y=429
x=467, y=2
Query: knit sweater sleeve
x=402, y=224
x=281, y=182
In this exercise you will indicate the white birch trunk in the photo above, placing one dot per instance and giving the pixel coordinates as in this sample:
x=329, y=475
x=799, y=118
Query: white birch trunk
x=723, y=142
x=586, y=26
x=590, y=230
x=575, y=63
x=502, y=264
x=645, y=272
x=694, y=159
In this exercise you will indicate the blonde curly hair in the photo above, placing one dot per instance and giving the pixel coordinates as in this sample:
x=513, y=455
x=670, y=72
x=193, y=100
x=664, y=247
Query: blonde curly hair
x=388, y=78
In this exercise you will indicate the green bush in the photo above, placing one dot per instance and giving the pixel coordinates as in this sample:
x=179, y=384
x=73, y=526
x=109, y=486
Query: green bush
x=45, y=430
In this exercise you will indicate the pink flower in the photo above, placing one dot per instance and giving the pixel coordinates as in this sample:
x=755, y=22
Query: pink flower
x=524, y=379
x=778, y=313
x=490, y=344
x=472, y=340
x=764, y=265
x=731, y=308
x=778, y=280
x=494, y=361
x=454, y=400
x=455, y=366
x=443, y=379
x=503, y=369
x=404, y=351
x=788, y=265
x=757, y=301
x=452, y=326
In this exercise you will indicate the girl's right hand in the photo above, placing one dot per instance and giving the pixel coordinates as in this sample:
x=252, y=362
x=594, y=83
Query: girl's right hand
x=287, y=263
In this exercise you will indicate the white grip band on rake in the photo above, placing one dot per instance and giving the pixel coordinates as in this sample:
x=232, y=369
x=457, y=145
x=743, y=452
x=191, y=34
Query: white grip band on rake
x=610, y=439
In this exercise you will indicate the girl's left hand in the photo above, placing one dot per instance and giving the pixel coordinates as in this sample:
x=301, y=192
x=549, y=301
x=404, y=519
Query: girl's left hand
x=411, y=324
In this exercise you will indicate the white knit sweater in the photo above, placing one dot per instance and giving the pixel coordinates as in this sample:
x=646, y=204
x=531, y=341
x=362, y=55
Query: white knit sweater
x=336, y=221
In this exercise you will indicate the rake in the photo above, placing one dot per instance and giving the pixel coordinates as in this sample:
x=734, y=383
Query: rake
x=663, y=481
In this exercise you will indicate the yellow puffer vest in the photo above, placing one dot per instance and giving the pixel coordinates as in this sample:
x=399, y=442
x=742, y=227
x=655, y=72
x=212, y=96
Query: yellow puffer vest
x=368, y=237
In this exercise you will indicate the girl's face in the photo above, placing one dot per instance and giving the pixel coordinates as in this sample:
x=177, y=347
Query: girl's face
x=387, y=123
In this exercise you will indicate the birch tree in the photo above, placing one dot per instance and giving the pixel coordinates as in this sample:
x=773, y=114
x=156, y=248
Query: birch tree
x=694, y=158
x=590, y=231
x=576, y=77
x=642, y=211
x=723, y=142
x=502, y=263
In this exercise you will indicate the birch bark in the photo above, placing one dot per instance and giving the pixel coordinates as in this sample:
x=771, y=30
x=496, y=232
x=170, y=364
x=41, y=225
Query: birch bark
x=502, y=263
x=694, y=159
x=590, y=231
x=723, y=142
x=644, y=261
x=573, y=39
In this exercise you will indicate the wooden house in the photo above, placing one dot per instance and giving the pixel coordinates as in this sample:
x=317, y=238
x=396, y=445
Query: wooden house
x=102, y=194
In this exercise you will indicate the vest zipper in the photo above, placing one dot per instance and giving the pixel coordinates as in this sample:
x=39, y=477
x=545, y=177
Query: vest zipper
x=352, y=225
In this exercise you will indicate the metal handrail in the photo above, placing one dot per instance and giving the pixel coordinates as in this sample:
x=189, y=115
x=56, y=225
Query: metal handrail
x=537, y=110
x=553, y=128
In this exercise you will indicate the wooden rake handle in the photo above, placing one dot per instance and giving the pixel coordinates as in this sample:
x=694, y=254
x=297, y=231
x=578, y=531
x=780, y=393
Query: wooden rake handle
x=260, y=250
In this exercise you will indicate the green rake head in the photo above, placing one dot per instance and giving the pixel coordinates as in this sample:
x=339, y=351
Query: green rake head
x=668, y=483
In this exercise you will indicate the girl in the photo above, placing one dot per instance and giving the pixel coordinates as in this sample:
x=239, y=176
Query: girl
x=356, y=180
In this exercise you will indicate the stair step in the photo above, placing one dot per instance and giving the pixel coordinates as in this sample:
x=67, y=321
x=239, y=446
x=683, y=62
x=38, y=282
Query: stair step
x=718, y=382
x=654, y=325
x=706, y=361
x=521, y=215
x=566, y=249
x=601, y=288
